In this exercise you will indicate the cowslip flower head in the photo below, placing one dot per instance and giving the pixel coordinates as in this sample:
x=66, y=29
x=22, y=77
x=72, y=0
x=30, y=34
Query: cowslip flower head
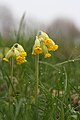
x=17, y=52
x=37, y=47
x=44, y=44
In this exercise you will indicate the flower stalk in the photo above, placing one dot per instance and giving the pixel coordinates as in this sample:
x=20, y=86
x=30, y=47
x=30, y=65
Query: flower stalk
x=37, y=72
x=12, y=64
x=11, y=89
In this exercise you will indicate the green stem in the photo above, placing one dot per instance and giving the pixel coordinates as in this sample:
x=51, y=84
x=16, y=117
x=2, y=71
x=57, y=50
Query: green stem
x=11, y=78
x=12, y=70
x=37, y=73
x=11, y=83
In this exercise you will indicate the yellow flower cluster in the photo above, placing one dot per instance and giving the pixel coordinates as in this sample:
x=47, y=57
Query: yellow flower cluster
x=21, y=58
x=17, y=52
x=43, y=44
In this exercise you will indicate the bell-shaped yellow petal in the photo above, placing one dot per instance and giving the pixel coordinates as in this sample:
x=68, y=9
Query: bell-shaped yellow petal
x=48, y=42
x=53, y=47
x=5, y=59
x=20, y=60
x=47, y=55
x=23, y=54
x=37, y=50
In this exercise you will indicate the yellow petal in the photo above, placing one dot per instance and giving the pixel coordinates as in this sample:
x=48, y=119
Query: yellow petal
x=47, y=55
x=5, y=59
x=38, y=50
x=23, y=54
x=20, y=60
x=53, y=47
x=48, y=42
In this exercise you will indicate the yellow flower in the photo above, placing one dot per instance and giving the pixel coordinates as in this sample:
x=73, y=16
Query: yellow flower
x=5, y=59
x=20, y=60
x=17, y=52
x=43, y=44
x=37, y=47
x=47, y=55
x=53, y=47
x=37, y=50
x=23, y=54
x=48, y=42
